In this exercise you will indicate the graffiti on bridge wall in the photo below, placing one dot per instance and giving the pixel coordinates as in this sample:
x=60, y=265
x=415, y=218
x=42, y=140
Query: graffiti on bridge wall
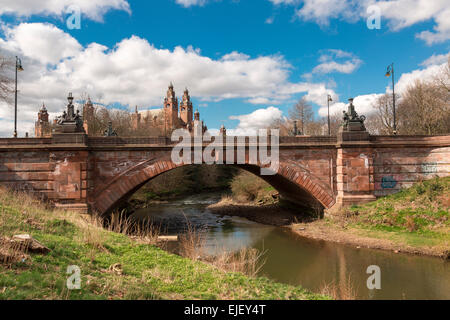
x=388, y=182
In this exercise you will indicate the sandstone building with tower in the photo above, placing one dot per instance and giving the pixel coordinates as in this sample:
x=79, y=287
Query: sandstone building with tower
x=42, y=126
x=173, y=115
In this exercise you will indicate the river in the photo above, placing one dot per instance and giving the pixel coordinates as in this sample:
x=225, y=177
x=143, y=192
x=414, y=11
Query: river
x=295, y=260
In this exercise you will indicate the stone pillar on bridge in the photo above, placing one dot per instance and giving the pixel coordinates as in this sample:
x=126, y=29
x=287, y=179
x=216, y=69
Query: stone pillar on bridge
x=70, y=159
x=354, y=166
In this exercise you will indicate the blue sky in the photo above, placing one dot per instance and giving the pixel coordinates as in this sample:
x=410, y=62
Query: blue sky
x=249, y=60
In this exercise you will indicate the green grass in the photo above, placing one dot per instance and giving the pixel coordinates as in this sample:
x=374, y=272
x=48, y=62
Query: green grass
x=246, y=187
x=146, y=271
x=418, y=216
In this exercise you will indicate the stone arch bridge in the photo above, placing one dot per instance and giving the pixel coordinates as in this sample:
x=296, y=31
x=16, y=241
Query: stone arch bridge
x=87, y=174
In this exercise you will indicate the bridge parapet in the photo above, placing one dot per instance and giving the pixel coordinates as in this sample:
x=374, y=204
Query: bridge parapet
x=72, y=169
x=24, y=141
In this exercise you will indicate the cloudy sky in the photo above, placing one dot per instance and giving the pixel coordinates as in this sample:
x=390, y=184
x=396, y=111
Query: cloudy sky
x=245, y=62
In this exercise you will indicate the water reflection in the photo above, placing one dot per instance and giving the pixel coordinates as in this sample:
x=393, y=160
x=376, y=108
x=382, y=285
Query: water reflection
x=310, y=263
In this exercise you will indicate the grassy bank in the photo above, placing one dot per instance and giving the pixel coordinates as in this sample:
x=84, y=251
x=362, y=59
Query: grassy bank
x=113, y=266
x=415, y=220
x=247, y=188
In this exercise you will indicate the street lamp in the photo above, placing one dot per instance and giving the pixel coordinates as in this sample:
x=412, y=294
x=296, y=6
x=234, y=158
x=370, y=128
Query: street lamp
x=389, y=72
x=329, y=99
x=18, y=68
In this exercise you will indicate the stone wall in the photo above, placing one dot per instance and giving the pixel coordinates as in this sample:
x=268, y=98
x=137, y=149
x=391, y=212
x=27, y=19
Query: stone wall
x=81, y=173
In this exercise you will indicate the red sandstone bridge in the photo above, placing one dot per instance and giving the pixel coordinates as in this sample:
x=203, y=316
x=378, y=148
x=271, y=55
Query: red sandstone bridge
x=78, y=172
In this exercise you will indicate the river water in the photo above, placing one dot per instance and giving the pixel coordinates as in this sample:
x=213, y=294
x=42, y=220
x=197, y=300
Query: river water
x=295, y=260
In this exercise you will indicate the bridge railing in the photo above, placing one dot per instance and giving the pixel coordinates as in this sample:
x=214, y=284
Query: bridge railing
x=308, y=139
x=167, y=141
x=24, y=141
x=409, y=137
x=128, y=140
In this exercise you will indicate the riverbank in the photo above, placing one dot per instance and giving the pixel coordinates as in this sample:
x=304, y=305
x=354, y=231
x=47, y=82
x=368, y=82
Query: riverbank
x=414, y=221
x=274, y=213
x=112, y=265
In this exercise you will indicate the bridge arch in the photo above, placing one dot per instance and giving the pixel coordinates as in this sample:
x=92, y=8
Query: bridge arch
x=291, y=180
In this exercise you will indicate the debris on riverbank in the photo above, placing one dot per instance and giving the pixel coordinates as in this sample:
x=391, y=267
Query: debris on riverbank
x=275, y=214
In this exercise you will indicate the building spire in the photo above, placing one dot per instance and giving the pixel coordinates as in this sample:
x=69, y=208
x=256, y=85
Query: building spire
x=197, y=115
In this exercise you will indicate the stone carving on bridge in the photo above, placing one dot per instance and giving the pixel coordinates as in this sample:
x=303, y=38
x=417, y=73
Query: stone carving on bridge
x=352, y=121
x=110, y=132
x=70, y=121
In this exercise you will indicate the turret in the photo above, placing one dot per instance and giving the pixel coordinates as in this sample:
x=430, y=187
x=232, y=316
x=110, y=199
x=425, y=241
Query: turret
x=223, y=130
x=42, y=125
x=88, y=114
x=186, y=108
x=135, y=119
x=170, y=109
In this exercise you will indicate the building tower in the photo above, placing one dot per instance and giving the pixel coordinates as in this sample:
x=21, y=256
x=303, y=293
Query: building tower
x=42, y=125
x=170, y=110
x=196, y=115
x=223, y=130
x=88, y=115
x=186, y=109
x=135, y=119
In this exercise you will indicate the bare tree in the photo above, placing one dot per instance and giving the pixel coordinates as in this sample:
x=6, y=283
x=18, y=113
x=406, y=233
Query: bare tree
x=284, y=125
x=303, y=113
x=425, y=109
x=442, y=79
x=382, y=122
x=6, y=79
x=335, y=124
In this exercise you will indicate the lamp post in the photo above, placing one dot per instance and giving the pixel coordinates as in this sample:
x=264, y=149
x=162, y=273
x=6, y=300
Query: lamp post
x=18, y=68
x=389, y=72
x=329, y=99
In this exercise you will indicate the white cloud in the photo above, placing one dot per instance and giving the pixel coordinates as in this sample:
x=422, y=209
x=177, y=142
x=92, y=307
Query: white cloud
x=259, y=100
x=321, y=11
x=407, y=79
x=277, y=2
x=189, y=3
x=435, y=59
x=364, y=104
x=93, y=9
x=347, y=62
x=134, y=72
x=405, y=13
x=270, y=20
x=258, y=119
x=28, y=38
x=399, y=14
